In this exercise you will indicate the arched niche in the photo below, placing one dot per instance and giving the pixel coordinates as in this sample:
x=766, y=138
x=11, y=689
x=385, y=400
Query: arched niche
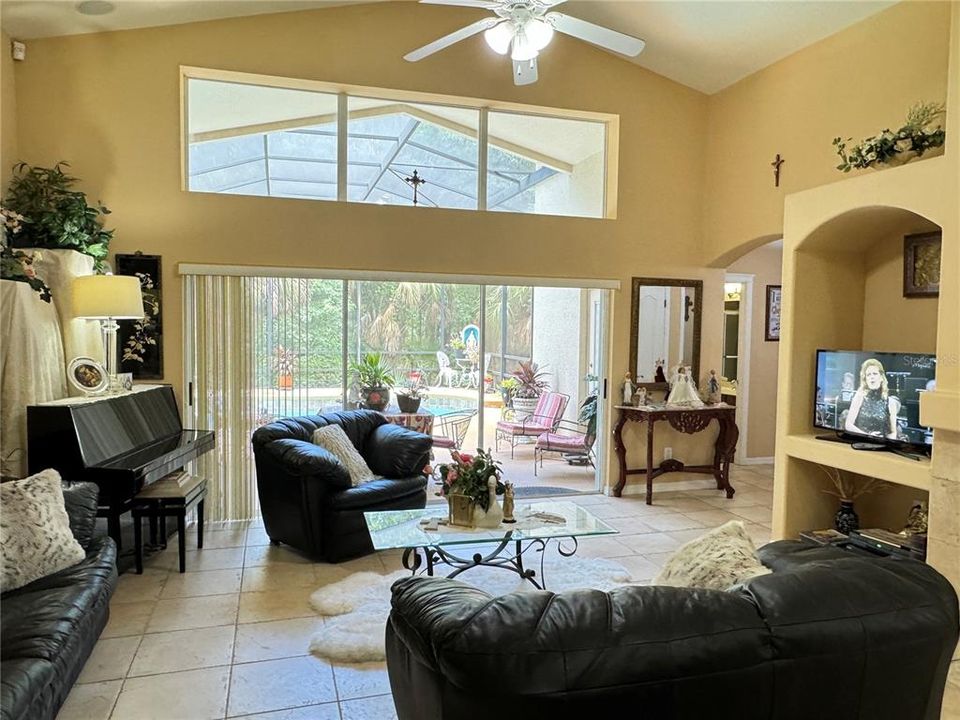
x=732, y=255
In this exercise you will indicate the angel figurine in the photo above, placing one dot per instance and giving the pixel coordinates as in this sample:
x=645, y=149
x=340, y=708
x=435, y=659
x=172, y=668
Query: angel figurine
x=713, y=389
x=683, y=391
x=627, y=389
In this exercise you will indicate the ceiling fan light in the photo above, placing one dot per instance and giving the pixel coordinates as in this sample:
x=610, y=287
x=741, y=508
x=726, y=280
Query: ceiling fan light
x=539, y=33
x=498, y=37
x=523, y=49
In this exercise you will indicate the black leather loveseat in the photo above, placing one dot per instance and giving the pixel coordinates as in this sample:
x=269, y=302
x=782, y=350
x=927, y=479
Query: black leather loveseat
x=50, y=626
x=828, y=635
x=306, y=497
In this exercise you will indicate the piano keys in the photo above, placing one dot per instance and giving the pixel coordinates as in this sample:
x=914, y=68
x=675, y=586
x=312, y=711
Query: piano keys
x=123, y=443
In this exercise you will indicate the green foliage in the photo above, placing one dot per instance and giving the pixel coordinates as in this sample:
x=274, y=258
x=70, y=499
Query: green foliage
x=469, y=475
x=531, y=380
x=17, y=265
x=588, y=414
x=55, y=215
x=372, y=371
x=915, y=136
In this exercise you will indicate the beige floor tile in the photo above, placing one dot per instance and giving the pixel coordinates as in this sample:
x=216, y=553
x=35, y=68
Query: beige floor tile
x=275, y=605
x=602, y=547
x=197, y=584
x=257, y=555
x=183, y=650
x=110, y=659
x=639, y=567
x=373, y=708
x=743, y=498
x=275, y=639
x=193, y=694
x=280, y=684
x=204, y=560
x=685, y=536
x=758, y=514
x=257, y=536
x=138, y=588
x=214, y=525
x=198, y=612
x=631, y=525
x=758, y=533
x=672, y=523
x=90, y=702
x=361, y=680
x=128, y=618
x=712, y=518
x=327, y=711
x=659, y=559
x=686, y=504
x=216, y=539
x=278, y=577
x=649, y=543
x=612, y=510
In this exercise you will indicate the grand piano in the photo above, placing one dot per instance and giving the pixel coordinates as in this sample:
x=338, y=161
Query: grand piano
x=121, y=442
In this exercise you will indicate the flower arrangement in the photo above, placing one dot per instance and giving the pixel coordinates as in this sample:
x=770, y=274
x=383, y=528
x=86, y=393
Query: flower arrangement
x=530, y=379
x=17, y=265
x=846, y=489
x=144, y=332
x=915, y=136
x=468, y=475
x=413, y=386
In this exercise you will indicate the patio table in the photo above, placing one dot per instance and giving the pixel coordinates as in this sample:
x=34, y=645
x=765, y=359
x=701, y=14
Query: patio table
x=421, y=421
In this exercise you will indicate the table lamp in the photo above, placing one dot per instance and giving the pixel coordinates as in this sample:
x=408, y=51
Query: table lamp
x=108, y=298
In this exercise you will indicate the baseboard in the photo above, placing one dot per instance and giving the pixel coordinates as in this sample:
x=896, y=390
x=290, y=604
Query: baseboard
x=754, y=461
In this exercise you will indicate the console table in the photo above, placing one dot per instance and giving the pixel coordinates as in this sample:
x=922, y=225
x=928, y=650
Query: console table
x=686, y=420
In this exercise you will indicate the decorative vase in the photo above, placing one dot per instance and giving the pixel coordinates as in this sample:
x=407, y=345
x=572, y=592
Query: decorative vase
x=407, y=403
x=285, y=382
x=846, y=518
x=375, y=398
x=493, y=515
x=461, y=510
x=524, y=406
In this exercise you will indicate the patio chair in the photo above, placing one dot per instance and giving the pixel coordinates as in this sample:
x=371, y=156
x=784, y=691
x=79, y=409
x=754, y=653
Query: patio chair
x=576, y=445
x=545, y=419
x=446, y=372
x=453, y=429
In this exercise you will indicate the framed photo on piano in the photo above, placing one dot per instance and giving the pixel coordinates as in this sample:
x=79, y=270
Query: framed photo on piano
x=140, y=342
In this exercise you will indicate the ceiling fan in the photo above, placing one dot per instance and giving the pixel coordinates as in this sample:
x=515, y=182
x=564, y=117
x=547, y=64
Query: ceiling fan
x=524, y=28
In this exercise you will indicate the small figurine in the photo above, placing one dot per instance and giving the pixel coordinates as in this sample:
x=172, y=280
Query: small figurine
x=627, y=389
x=713, y=389
x=658, y=375
x=494, y=513
x=916, y=520
x=640, y=397
x=508, y=503
x=683, y=391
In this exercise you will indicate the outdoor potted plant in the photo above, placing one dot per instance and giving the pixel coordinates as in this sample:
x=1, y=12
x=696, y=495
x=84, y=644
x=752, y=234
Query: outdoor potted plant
x=283, y=362
x=374, y=379
x=466, y=484
x=531, y=384
x=507, y=387
x=412, y=393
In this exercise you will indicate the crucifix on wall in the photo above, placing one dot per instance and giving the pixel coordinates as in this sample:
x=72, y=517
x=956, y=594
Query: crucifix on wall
x=776, y=169
x=415, y=181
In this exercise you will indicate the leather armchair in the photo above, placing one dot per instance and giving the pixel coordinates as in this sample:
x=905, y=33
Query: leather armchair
x=49, y=627
x=306, y=497
x=829, y=634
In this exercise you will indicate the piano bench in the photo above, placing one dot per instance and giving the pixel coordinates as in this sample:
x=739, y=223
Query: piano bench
x=162, y=500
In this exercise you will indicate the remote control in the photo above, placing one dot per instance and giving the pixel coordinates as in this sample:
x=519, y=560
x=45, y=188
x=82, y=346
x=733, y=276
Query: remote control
x=868, y=446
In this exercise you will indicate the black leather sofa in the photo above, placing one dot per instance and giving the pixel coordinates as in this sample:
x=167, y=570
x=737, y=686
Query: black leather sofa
x=50, y=626
x=829, y=634
x=306, y=497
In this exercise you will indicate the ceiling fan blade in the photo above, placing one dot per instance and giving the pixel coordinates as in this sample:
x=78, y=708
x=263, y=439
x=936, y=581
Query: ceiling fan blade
x=595, y=34
x=485, y=4
x=524, y=72
x=447, y=40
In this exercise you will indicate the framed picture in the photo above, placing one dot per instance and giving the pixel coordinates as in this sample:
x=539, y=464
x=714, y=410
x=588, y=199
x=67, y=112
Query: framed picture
x=87, y=375
x=921, y=264
x=772, y=319
x=140, y=342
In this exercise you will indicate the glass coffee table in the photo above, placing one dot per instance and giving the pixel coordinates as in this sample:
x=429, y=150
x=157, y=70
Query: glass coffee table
x=449, y=545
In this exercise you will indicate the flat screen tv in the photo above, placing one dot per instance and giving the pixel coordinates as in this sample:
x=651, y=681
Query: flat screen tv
x=873, y=396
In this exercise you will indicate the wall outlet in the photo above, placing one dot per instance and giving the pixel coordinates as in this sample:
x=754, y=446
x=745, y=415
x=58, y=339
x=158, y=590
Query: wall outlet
x=668, y=453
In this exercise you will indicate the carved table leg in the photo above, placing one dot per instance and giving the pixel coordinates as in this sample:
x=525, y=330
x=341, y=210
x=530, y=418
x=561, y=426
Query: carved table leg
x=730, y=434
x=621, y=454
x=650, y=424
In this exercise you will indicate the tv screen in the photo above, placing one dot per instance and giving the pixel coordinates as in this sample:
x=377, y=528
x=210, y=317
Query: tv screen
x=874, y=394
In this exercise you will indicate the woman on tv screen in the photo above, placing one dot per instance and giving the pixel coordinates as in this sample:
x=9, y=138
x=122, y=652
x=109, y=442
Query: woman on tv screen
x=873, y=411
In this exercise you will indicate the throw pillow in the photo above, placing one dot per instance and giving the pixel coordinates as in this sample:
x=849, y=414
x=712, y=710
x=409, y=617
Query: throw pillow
x=35, y=535
x=722, y=558
x=334, y=440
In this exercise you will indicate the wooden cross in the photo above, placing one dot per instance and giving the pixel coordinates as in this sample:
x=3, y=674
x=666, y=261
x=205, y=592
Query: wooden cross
x=776, y=169
x=414, y=181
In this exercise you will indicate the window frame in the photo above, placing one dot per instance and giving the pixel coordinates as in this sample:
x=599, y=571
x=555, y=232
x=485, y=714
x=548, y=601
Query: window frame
x=611, y=123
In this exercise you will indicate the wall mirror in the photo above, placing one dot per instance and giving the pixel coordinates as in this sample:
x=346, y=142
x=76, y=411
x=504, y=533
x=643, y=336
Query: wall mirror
x=665, y=328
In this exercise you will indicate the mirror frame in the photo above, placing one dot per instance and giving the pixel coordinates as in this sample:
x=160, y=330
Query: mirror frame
x=636, y=284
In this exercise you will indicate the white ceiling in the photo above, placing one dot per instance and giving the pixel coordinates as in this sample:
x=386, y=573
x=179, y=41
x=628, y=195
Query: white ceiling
x=704, y=44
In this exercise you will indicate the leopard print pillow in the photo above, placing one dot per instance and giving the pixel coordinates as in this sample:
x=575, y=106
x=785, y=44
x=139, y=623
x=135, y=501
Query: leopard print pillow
x=35, y=537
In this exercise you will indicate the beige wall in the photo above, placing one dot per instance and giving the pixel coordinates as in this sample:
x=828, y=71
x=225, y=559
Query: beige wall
x=764, y=264
x=8, y=113
x=852, y=84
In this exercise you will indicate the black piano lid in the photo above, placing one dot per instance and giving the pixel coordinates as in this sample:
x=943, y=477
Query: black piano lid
x=187, y=441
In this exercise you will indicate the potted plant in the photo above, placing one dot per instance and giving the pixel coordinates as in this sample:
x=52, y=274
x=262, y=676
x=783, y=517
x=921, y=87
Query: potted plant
x=412, y=393
x=531, y=384
x=890, y=147
x=55, y=215
x=374, y=379
x=507, y=387
x=283, y=361
x=465, y=483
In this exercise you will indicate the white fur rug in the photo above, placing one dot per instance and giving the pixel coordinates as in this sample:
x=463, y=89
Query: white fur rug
x=357, y=606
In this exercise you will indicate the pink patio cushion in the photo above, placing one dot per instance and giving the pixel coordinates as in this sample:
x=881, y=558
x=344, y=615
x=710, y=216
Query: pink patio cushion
x=443, y=442
x=519, y=428
x=553, y=441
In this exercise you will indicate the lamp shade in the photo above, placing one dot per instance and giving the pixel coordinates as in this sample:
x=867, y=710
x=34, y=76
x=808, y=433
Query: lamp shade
x=98, y=297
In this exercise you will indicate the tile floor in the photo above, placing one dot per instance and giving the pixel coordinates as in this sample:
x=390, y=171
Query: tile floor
x=229, y=637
